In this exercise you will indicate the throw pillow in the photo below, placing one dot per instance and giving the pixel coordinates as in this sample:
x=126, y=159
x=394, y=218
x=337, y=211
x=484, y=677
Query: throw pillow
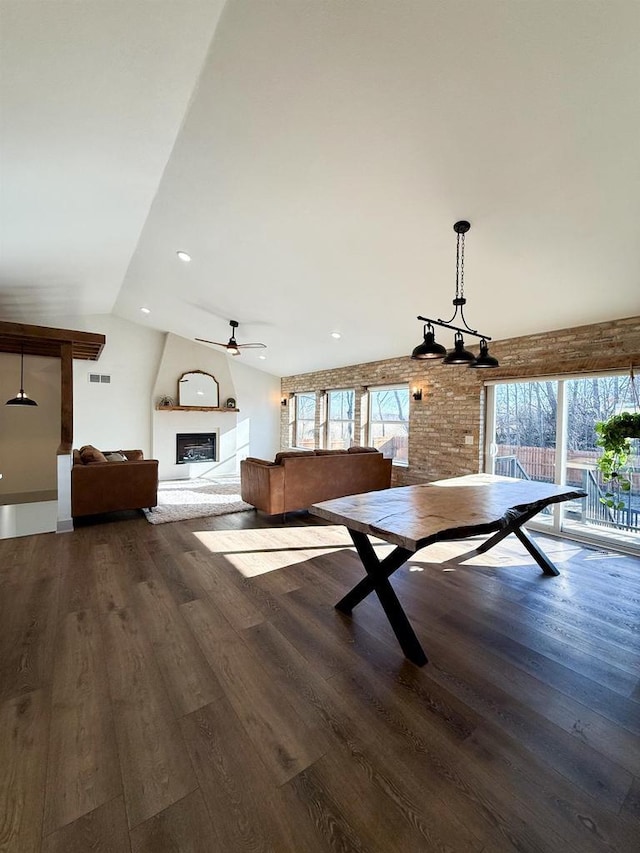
x=115, y=456
x=133, y=455
x=357, y=449
x=89, y=454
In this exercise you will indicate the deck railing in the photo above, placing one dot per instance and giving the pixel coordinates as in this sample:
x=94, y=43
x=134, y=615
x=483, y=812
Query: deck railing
x=536, y=463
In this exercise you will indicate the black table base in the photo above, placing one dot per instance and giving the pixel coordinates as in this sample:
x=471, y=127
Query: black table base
x=379, y=571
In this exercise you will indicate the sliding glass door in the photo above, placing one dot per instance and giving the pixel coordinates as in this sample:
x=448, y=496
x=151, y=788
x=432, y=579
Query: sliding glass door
x=545, y=430
x=524, y=442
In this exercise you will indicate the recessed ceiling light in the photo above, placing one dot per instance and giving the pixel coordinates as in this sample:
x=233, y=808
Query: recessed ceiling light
x=336, y=335
x=146, y=310
x=262, y=357
x=184, y=256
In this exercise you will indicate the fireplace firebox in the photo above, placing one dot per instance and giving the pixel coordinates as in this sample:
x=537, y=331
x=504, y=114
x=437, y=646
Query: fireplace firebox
x=196, y=447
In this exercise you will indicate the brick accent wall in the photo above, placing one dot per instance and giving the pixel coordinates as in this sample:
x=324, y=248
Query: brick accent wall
x=453, y=398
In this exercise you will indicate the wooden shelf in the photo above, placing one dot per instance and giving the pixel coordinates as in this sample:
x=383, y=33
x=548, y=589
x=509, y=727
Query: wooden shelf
x=195, y=409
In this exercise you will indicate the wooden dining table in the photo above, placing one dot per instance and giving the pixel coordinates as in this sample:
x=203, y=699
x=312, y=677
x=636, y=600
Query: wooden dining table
x=413, y=517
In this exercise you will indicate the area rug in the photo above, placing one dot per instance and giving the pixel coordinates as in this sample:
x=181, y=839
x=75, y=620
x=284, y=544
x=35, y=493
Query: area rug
x=179, y=500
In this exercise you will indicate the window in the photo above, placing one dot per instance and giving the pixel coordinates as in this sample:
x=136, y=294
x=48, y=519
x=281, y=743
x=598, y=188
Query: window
x=545, y=430
x=305, y=420
x=341, y=421
x=389, y=422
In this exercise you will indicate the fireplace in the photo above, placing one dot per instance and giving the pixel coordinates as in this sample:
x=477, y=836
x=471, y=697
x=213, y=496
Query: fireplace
x=196, y=447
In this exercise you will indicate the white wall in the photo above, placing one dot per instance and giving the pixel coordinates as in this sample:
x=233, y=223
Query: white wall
x=258, y=397
x=179, y=356
x=118, y=415
x=29, y=435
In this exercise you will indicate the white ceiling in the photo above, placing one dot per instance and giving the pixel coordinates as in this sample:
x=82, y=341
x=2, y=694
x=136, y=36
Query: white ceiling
x=312, y=157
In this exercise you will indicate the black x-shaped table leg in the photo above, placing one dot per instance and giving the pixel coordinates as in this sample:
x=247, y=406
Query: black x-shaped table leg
x=515, y=526
x=379, y=571
x=377, y=580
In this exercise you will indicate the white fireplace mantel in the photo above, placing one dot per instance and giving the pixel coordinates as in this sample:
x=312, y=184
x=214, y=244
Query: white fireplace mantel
x=165, y=428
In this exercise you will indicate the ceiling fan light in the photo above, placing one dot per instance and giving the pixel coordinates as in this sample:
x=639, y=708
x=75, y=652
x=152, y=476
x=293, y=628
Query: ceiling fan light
x=459, y=355
x=484, y=360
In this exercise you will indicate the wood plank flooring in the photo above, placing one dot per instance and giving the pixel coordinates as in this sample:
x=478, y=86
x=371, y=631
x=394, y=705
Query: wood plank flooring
x=190, y=687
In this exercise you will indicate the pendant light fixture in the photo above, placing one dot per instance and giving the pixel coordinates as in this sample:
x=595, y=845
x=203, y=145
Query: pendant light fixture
x=458, y=355
x=21, y=398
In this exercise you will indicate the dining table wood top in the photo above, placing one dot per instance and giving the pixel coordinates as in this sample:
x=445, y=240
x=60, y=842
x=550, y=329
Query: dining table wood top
x=413, y=517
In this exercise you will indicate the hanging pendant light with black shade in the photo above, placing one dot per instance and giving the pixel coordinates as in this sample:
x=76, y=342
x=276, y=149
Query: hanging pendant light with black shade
x=429, y=348
x=484, y=360
x=458, y=355
x=21, y=398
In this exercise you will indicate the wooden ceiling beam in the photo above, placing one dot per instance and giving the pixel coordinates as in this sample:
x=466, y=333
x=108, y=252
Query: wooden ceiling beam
x=48, y=341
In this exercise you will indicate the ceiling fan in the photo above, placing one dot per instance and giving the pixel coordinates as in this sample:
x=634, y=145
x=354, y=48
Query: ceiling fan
x=233, y=347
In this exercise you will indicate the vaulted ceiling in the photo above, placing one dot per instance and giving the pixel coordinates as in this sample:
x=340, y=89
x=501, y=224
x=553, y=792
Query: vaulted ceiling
x=312, y=158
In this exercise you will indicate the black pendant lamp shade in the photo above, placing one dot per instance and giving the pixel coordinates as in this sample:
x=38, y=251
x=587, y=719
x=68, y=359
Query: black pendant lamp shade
x=484, y=360
x=458, y=355
x=429, y=348
x=21, y=398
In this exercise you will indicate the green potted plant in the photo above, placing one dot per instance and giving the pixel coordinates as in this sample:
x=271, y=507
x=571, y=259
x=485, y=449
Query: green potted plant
x=614, y=436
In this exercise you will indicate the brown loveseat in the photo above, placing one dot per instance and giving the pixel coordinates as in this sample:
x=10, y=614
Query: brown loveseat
x=106, y=486
x=297, y=479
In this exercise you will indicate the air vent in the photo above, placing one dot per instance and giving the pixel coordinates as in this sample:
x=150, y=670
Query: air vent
x=99, y=378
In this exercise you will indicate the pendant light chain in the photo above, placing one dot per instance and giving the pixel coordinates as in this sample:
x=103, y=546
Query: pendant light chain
x=460, y=267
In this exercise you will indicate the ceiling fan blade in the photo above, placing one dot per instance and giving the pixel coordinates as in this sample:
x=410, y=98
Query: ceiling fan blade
x=253, y=346
x=205, y=341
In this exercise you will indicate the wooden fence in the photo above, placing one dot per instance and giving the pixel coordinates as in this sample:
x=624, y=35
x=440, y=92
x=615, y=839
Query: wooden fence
x=539, y=463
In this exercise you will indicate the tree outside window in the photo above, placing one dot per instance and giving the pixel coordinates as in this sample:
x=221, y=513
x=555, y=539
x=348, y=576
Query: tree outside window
x=341, y=421
x=389, y=422
x=305, y=420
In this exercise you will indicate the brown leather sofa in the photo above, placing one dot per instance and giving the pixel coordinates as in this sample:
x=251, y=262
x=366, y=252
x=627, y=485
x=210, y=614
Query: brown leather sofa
x=297, y=479
x=106, y=486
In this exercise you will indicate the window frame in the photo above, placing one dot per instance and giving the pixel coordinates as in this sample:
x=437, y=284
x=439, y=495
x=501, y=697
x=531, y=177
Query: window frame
x=329, y=420
x=396, y=386
x=558, y=527
x=297, y=420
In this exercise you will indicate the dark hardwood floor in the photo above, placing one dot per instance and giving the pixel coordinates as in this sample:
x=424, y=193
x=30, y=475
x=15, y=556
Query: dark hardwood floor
x=190, y=687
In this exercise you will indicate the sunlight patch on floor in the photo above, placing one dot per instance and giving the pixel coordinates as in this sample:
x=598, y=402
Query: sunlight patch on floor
x=255, y=552
x=252, y=565
x=258, y=552
x=274, y=538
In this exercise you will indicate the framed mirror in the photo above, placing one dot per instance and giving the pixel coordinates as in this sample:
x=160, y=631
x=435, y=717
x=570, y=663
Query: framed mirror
x=197, y=388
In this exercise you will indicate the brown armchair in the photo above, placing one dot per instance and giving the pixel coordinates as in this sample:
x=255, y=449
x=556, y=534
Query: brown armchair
x=104, y=486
